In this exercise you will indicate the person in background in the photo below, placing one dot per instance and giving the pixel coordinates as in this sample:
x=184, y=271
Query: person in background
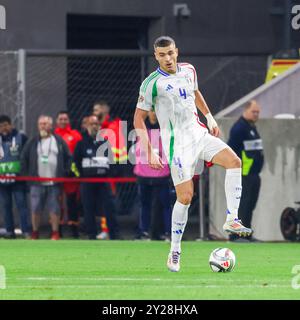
x=11, y=146
x=45, y=155
x=112, y=130
x=71, y=189
x=95, y=195
x=117, y=141
x=245, y=140
x=84, y=124
x=153, y=185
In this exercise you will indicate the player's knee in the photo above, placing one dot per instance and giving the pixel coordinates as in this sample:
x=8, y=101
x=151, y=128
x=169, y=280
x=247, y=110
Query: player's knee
x=235, y=162
x=185, y=198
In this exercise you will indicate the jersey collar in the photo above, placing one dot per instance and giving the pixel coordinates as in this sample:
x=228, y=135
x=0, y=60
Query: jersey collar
x=159, y=70
x=162, y=72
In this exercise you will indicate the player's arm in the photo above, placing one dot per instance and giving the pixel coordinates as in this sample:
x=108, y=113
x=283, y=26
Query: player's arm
x=140, y=116
x=203, y=107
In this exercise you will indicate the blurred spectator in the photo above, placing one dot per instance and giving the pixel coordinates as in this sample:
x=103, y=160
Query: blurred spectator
x=45, y=155
x=112, y=129
x=71, y=189
x=11, y=145
x=245, y=140
x=84, y=124
x=153, y=185
x=91, y=163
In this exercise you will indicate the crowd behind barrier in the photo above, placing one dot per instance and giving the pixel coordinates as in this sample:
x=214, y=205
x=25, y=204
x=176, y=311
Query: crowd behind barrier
x=60, y=172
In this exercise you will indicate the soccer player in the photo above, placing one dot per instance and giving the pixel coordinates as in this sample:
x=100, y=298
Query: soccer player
x=172, y=91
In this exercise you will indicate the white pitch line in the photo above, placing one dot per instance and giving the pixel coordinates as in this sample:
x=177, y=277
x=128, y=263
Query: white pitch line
x=168, y=286
x=87, y=279
x=141, y=279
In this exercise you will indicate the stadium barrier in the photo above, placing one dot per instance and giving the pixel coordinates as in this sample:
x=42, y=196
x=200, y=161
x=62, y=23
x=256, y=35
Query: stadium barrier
x=280, y=178
x=279, y=96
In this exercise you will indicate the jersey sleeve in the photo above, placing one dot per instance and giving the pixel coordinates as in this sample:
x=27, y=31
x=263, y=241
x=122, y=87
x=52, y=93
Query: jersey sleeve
x=195, y=78
x=145, y=96
x=195, y=81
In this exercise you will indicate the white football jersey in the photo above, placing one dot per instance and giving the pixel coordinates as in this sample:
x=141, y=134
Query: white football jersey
x=172, y=97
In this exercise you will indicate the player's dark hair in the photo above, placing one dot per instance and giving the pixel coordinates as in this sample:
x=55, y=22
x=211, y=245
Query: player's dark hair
x=163, y=41
x=5, y=118
x=62, y=112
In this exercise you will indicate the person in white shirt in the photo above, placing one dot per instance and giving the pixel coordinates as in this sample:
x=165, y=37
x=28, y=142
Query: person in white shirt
x=48, y=156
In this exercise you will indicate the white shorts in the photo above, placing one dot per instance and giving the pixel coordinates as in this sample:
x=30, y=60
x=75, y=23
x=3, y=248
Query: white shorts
x=189, y=160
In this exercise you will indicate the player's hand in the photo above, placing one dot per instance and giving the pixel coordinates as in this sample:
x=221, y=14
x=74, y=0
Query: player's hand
x=212, y=125
x=155, y=161
x=215, y=131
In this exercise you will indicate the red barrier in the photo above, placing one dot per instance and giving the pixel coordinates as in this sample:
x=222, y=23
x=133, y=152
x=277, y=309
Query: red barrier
x=91, y=180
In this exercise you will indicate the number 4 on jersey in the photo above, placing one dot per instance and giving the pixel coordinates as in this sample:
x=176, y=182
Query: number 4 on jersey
x=182, y=93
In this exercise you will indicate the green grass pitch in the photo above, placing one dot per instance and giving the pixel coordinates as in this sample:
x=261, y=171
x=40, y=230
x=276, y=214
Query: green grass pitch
x=70, y=269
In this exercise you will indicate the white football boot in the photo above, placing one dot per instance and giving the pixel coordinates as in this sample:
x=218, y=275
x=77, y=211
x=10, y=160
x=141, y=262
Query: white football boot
x=235, y=226
x=173, y=262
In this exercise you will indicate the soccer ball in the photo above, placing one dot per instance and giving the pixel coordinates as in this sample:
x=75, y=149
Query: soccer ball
x=222, y=260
